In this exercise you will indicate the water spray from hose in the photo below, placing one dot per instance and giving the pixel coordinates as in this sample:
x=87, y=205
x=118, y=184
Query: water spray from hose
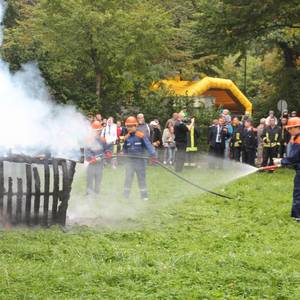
x=177, y=175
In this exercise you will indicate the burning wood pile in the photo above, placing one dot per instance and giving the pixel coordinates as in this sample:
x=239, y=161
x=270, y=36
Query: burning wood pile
x=34, y=191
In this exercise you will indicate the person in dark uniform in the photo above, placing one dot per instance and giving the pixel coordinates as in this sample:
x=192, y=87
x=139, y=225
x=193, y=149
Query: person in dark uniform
x=181, y=130
x=236, y=139
x=285, y=138
x=216, y=139
x=293, y=159
x=271, y=138
x=135, y=144
x=249, y=143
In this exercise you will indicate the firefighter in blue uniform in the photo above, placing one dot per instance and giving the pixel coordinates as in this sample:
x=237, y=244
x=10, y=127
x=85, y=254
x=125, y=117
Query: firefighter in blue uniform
x=94, y=155
x=135, y=144
x=236, y=139
x=293, y=159
x=271, y=137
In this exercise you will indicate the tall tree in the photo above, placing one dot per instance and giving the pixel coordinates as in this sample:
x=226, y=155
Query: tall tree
x=77, y=42
x=231, y=26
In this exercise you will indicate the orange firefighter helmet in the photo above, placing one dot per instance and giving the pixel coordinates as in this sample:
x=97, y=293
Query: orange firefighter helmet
x=131, y=121
x=96, y=125
x=293, y=122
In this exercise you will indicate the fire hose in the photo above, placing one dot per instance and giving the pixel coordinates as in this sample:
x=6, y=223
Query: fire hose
x=157, y=162
x=176, y=175
x=269, y=168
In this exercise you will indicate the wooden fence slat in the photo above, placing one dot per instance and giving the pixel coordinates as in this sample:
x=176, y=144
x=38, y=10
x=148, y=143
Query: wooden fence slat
x=1, y=186
x=72, y=169
x=55, y=189
x=9, y=199
x=37, y=186
x=64, y=195
x=46, y=192
x=28, y=193
x=19, y=200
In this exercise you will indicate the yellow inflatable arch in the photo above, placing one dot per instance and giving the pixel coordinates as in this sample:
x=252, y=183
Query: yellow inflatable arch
x=224, y=91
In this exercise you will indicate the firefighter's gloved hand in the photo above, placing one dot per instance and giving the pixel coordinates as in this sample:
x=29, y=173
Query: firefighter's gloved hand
x=154, y=160
x=98, y=158
x=277, y=161
x=92, y=160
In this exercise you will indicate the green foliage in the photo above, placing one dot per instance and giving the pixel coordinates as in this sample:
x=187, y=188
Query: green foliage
x=104, y=55
x=235, y=26
x=92, y=46
x=261, y=84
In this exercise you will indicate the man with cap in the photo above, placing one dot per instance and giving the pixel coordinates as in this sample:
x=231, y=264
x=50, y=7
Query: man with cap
x=155, y=136
x=293, y=159
x=135, y=144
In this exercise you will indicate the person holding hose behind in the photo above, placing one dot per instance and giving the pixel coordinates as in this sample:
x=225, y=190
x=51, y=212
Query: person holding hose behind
x=293, y=159
x=94, y=156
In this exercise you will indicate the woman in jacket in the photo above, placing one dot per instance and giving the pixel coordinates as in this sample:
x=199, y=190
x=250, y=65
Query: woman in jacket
x=168, y=140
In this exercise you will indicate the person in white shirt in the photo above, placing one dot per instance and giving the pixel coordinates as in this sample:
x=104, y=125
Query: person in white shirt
x=110, y=131
x=109, y=134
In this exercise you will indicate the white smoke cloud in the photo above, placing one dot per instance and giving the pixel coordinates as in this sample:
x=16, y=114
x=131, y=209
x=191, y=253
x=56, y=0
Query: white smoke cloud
x=30, y=121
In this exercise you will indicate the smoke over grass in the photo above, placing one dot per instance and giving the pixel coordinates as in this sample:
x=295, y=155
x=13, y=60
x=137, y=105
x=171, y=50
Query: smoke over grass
x=110, y=209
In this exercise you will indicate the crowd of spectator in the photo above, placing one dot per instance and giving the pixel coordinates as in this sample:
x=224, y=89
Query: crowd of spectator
x=238, y=139
x=230, y=137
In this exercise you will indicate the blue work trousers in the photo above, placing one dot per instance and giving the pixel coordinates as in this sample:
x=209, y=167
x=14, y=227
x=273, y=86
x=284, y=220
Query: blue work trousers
x=296, y=197
x=136, y=166
x=94, y=177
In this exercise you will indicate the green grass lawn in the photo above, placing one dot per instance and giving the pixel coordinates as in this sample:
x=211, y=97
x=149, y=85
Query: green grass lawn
x=178, y=246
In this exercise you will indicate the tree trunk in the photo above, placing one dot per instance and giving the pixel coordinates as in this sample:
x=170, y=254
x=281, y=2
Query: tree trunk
x=289, y=54
x=95, y=59
x=98, y=83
